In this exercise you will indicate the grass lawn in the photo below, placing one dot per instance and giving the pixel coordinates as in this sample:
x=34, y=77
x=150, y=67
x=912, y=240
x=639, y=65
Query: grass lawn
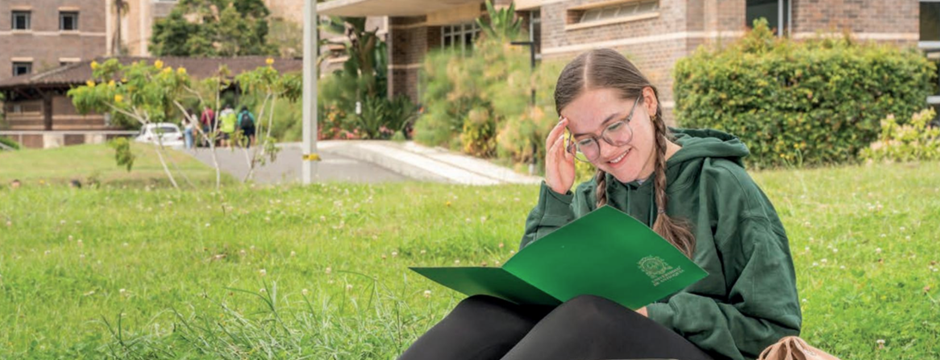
x=96, y=163
x=321, y=272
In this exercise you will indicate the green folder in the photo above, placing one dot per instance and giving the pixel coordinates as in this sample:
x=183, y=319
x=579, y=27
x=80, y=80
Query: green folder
x=605, y=253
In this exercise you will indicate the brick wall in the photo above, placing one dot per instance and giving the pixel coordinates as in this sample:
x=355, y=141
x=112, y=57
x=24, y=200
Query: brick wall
x=658, y=42
x=44, y=43
x=411, y=41
x=857, y=16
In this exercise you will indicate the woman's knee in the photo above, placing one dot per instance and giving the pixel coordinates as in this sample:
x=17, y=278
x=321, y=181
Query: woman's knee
x=589, y=310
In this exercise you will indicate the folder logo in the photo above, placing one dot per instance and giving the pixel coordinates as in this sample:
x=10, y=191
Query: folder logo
x=658, y=270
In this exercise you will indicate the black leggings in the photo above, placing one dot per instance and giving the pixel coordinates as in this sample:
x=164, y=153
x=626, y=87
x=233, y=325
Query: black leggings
x=584, y=328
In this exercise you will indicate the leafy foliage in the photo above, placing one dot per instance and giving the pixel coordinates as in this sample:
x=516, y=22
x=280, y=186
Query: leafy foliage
x=122, y=152
x=810, y=102
x=361, y=83
x=914, y=141
x=502, y=24
x=213, y=28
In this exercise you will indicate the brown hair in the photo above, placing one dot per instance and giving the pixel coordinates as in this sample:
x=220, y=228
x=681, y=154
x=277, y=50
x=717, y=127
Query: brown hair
x=608, y=69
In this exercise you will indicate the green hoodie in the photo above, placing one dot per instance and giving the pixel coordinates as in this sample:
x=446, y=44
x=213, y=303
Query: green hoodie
x=749, y=300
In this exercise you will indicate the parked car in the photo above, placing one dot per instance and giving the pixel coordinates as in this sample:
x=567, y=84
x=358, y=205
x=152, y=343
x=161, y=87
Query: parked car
x=167, y=133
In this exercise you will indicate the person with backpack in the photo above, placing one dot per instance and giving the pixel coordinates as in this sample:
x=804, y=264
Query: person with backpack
x=228, y=119
x=246, y=123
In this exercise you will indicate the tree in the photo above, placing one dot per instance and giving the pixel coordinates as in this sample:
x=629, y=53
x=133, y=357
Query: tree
x=213, y=28
x=151, y=93
x=501, y=24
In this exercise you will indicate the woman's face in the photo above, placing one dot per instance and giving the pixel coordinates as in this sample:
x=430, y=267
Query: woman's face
x=596, y=109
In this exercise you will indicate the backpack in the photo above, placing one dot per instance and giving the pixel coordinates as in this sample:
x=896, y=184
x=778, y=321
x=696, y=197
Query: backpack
x=242, y=123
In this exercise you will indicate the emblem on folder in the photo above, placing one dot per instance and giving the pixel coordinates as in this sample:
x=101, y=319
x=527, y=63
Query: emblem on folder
x=657, y=269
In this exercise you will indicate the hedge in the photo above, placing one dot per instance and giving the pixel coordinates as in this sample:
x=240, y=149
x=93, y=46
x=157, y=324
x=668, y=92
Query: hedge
x=808, y=102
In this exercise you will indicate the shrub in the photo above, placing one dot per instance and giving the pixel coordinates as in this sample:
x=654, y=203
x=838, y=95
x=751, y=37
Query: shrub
x=813, y=102
x=495, y=81
x=123, y=156
x=9, y=142
x=479, y=133
x=914, y=141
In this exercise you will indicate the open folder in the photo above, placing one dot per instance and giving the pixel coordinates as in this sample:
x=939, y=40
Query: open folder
x=605, y=253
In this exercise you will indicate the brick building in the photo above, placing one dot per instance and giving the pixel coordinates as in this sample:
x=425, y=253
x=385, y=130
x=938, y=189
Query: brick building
x=652, y=33
x=44, y=34
x=37, y=104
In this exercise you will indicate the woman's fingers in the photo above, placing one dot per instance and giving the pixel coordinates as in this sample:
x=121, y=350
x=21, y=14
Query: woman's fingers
x=558, y=130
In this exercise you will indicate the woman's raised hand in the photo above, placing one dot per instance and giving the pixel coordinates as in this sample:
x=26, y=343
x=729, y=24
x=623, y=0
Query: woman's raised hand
x=559, y=163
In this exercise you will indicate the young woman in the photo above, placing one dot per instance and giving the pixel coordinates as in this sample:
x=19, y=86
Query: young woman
x=687, y=185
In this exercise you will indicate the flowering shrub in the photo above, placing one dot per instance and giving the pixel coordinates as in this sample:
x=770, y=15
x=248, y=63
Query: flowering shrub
x=916, y=140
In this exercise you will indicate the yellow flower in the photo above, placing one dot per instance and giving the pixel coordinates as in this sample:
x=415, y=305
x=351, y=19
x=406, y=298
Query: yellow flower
x=118, y=98
x=181, y=71
x=94, y=65
x=269, y=61
x=168, y=70
x=111, y=83
x=90, y=83
x=123, y=80
x=158, y=64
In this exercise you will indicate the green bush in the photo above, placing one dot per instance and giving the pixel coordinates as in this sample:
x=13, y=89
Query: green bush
x=9, y=142
x=914, y=141
x=479, y=133
x=123, y=156
x=496, y=81
x=812, y=102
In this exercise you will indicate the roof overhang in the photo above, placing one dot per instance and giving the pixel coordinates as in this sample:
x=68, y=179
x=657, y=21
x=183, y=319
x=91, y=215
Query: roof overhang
x=394, y=8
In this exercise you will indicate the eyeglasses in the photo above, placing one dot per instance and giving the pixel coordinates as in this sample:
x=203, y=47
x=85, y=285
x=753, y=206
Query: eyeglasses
x=618, y=133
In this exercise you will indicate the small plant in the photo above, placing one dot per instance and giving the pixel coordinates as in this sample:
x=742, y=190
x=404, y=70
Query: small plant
x=123, y=155
x=914, y=141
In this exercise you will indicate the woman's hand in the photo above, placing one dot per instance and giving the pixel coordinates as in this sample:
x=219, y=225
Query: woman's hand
x=642, y=311
x=559, y=163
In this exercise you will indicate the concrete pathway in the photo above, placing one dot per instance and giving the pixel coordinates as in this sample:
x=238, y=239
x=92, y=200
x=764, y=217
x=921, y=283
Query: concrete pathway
x=286, y=167
x=372, y=161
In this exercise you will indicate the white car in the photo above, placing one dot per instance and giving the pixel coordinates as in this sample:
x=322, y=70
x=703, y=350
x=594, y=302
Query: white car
x=167, y=133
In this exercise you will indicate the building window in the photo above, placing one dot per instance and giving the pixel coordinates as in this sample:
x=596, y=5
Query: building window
x=777, y=13
x=614, y=12
x=20, y=20
x=929, y=21
x=535, y=31
x=460, y=37
x=22, y=68
x=68, y=21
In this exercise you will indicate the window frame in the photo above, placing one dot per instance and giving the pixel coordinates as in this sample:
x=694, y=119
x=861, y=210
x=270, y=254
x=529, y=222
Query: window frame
x=927, y=44
x=457, y=33
x=28, y=16
x=611, y=13
x=27, y=64
x=62, y=17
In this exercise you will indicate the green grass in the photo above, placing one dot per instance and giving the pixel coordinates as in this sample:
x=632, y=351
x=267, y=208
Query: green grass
x=90, y=163
x=190, y=262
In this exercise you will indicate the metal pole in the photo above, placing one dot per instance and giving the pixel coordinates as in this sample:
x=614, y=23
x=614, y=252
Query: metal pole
x=790, y=18
x=779, y=18
x=310, y=156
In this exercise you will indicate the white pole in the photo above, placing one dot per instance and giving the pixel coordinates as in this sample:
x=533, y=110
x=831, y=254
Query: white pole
x=310, y=156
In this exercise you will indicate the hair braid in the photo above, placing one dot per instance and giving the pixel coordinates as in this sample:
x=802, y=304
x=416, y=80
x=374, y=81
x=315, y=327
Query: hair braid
x=600, y=191
x=672, y=230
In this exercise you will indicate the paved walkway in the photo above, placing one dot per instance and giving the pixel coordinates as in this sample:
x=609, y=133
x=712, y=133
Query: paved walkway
x=365, y=161
x=286, y=167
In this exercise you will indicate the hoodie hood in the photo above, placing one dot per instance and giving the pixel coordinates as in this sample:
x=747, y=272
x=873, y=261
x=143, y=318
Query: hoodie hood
x=700, y=147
